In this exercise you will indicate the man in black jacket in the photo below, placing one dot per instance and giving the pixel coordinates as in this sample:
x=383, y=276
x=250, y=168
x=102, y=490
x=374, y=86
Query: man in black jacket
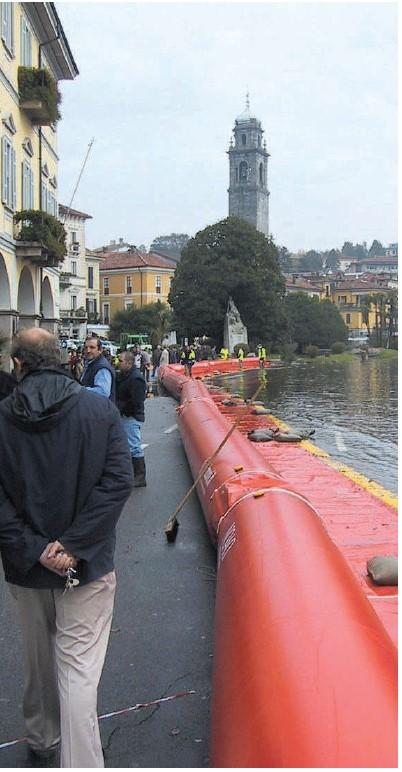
x=65, y=474
x=131, y=390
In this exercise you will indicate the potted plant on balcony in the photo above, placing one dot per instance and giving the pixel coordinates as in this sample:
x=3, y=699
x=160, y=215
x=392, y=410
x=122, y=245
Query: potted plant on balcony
x=35, y=226
x=39, y=95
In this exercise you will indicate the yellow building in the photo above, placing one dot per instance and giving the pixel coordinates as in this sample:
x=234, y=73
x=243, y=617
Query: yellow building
x=133, y=278
x=349, y=297
x=34, y=53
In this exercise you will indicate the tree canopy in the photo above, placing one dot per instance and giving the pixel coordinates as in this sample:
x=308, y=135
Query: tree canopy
x=313, y=322
x=358, y=251
x=171, y=245
x=376, y=249
x=332, y=259
x=311, y=261
x=229, y=258
x=154, y=318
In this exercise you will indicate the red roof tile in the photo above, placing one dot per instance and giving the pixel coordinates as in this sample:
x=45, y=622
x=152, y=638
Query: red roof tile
x=136, y=259
x=73, y=212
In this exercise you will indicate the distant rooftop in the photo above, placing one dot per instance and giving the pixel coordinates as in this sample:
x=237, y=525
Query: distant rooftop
x=68, y=212
x=135, y=259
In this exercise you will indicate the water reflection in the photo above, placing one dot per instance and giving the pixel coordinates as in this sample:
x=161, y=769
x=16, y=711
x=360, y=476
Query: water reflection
x=351, y=405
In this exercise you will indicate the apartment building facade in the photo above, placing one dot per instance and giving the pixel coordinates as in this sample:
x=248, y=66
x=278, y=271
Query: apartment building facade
x=34, y=52
x=79, y=277
x=133, y=278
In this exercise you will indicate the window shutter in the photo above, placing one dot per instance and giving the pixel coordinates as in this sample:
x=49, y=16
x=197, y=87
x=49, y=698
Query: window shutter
x=11, y=5
x=4, y=170
x=29, y=47
x=24, y=204
x=32, y=191
x=14, y=179
x=4, y=11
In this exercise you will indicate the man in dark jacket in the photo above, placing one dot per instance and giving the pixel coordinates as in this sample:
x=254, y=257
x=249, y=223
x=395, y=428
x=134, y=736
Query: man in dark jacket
x=130, y=397
x=65, y=474
x=98, y=374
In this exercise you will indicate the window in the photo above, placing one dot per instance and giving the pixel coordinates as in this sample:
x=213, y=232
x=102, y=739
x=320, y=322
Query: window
x=129, y=287
x=106, y=285
x=347, y=318
x=27, y=186
x=158, y=285
x=73, y=237
x=243, y=171
x=90, y=277
x=73, y=302
x=7, y=25
x=326, y=291
x=74, y=267
x=9, y=186
x=106, y=312
x=259, y=140
x=44, y=197
x=90, y=306
x=51, y=204
x=261, y=174
x=237, y=174
x=26, y=44
x=128, y=304
x=243, y=139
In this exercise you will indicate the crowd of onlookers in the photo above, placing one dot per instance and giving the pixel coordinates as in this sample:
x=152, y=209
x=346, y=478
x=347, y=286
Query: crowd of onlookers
x=147, y=360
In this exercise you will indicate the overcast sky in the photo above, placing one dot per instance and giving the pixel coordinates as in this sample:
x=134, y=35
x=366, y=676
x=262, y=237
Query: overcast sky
x=161, y=84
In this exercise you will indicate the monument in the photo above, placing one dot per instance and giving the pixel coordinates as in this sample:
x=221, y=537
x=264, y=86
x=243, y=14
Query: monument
x=234, y=331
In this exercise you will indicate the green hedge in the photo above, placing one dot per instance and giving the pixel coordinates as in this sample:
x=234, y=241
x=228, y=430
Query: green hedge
x=44, y=228
x=35, y=83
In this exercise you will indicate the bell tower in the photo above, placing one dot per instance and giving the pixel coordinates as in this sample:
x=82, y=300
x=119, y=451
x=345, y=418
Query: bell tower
x=248, y=170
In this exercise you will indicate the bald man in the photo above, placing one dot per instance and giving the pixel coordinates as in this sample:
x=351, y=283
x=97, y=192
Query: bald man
x=65, y=474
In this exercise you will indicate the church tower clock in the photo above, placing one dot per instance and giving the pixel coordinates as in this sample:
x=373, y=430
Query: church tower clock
x=248, y=167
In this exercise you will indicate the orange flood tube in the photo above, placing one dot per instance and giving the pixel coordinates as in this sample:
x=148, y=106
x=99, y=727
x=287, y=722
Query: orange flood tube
x=304, y=671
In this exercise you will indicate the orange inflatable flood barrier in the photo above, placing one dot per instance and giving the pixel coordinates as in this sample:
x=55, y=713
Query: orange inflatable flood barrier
x=304, y=670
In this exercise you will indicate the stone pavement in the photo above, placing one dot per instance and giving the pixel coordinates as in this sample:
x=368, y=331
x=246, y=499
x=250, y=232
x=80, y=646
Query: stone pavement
x=161, y=640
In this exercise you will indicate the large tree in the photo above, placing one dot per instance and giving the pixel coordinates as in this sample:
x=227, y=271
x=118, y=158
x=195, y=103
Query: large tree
x=171, y=245
x=332, y=259
x=154, y=318
x=376, y=249
x=229, y=258
x=313, y=322
x=311, y=261
x=285, y=260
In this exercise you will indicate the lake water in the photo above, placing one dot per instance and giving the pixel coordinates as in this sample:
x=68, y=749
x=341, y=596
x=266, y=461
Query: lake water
x=351, y=405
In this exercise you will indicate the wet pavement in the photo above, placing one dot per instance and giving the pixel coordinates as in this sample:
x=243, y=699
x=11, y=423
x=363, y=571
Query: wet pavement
x=161, y=640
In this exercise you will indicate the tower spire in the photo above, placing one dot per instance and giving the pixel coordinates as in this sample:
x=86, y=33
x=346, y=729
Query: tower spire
x=247, y=99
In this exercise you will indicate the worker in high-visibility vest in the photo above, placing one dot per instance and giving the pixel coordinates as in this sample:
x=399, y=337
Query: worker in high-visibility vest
x=261, y=353
x=190, y=361
x=240, y=356
x=224, y=353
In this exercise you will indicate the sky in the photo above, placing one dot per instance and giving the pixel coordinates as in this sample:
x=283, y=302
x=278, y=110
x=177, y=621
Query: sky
x=161, y=85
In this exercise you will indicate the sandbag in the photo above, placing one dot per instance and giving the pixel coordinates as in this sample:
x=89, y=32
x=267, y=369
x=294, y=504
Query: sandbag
x=383, y=570
x=262, y=435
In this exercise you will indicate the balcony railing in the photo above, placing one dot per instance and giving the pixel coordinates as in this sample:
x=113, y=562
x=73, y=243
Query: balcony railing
x=65, y=279
x=39, y=95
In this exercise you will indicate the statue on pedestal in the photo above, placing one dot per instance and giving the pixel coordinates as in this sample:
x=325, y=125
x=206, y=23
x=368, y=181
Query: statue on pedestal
x=234, y=331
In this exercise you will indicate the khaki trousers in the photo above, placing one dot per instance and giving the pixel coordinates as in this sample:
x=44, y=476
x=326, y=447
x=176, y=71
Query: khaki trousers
x=65, y=640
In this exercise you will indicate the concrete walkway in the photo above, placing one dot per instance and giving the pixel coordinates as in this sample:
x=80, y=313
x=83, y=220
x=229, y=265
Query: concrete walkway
x=161, y=640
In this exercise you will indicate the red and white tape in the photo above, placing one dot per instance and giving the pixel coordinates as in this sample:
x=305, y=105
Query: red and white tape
x=138, y=706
